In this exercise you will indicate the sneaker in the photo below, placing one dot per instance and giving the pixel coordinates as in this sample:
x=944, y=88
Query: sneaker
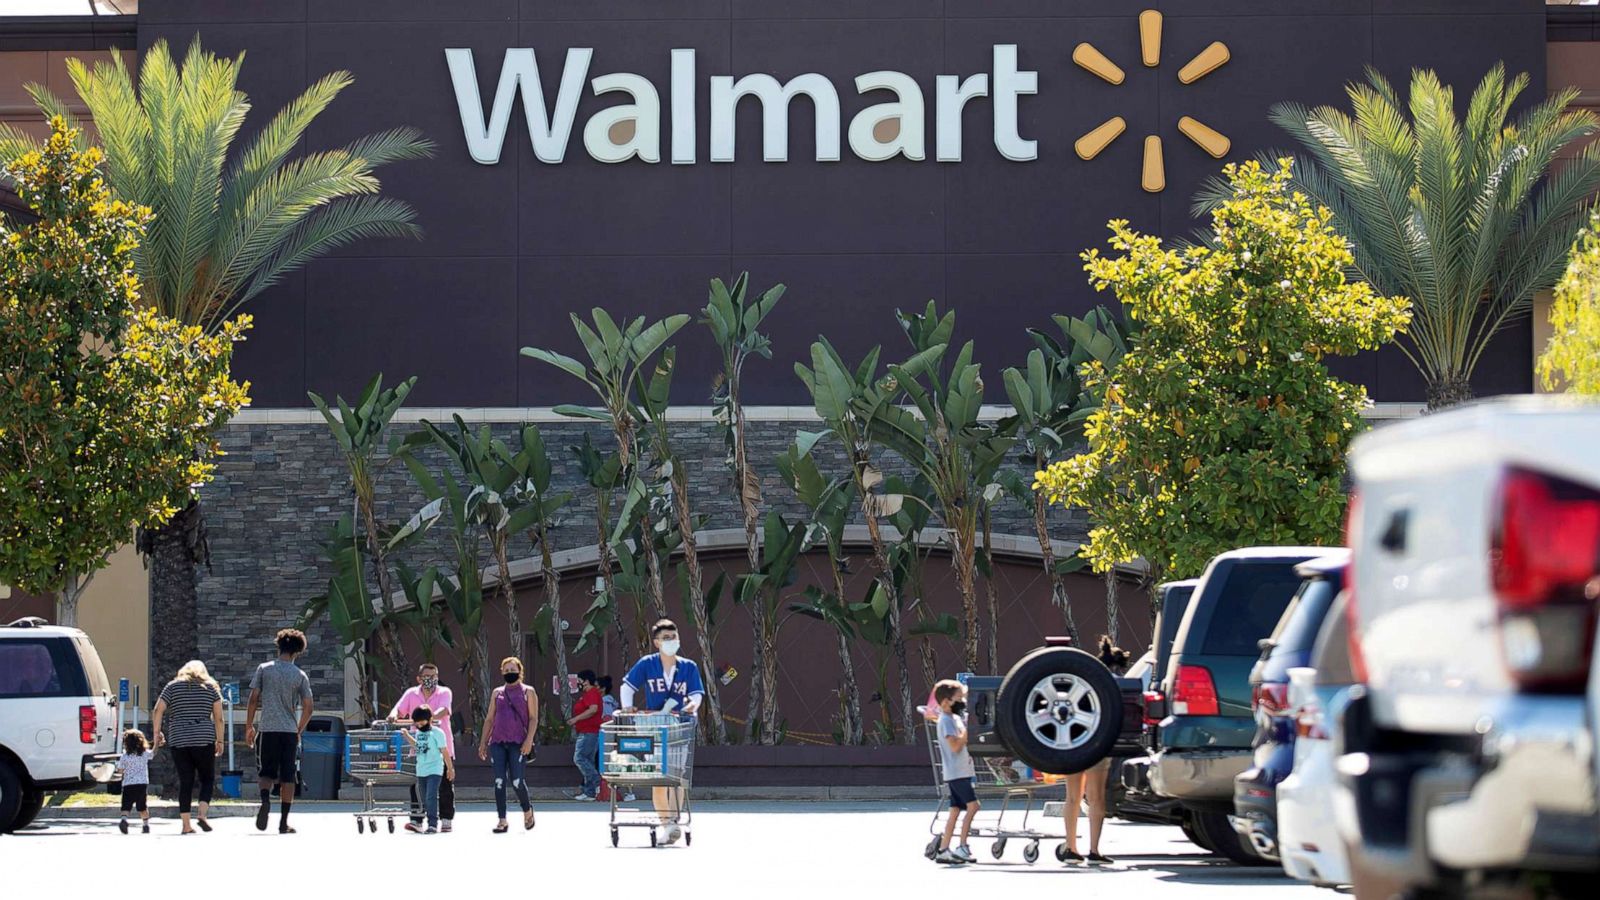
x=445, y=826
x=629, y=797
x=1100, y=859
x=964, y=852
x=431, y=830
x=123, y=826
x=582, y=798
x=145, y=829
x=949, y=858
x=1071, y=856
x=263, y=814
x=673, y=833
x=414, y=827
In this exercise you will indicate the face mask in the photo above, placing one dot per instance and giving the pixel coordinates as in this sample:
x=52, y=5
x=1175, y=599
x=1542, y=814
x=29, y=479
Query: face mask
x=959, y=707
x=425, y=726
x=512, y=677
x=670, y=648
x=430, y=681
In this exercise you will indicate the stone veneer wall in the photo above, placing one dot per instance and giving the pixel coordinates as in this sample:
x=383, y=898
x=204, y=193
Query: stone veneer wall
x=281, y=486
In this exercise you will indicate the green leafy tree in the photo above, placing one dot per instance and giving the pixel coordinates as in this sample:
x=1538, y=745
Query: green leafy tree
x=1221, y=426
x=108, y=412
x=603, y=473
x=1572, y=358
x=426, y=616
x=229, y=223
x=735, y=325
x=1467, y=217
x=348, y=607
x=539, y=507
x=359, y=431
x=781, y=546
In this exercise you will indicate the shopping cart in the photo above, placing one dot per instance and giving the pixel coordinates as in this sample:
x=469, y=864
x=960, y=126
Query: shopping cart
x=1013, y=784
x=375, y=757
x=649, y=750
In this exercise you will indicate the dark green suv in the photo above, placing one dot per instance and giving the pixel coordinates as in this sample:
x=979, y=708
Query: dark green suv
x=1204, y=742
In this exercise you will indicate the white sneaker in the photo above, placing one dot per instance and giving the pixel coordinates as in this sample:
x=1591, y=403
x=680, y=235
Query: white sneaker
x=673, y=833
x=965, y=853
x=582, y=797
x=629, y=797
x=949, y=858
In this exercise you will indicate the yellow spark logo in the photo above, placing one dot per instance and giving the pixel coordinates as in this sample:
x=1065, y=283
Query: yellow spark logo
x=1208, y=139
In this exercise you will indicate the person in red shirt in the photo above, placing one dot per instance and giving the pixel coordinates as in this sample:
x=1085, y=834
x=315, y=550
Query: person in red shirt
x=585, y=722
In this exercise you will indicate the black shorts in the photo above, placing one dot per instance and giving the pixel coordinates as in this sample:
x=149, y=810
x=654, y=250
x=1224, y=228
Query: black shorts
x=961, y=793
x=135, y=796
x=277, y=755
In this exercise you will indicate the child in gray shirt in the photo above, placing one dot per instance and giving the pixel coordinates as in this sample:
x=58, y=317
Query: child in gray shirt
x=956, y=763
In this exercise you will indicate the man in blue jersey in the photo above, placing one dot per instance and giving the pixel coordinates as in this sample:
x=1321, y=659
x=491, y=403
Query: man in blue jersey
x=665, y=682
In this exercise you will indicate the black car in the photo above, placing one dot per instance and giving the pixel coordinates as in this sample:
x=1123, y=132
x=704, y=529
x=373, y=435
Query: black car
x=1255, y=791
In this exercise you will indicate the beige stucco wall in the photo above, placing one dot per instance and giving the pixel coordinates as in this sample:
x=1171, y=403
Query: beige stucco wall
x=115, y=613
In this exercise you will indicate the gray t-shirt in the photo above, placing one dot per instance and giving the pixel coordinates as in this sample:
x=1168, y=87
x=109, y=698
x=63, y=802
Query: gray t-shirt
x=284, y=688
x=956, y=765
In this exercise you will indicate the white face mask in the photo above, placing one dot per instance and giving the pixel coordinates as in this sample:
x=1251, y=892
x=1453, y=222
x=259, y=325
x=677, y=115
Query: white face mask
x=670, y=648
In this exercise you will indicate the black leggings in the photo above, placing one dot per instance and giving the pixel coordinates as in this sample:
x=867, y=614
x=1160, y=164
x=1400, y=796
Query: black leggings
x=190, y=761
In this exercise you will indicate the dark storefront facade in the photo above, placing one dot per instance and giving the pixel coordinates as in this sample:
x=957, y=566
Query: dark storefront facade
x=974, y=191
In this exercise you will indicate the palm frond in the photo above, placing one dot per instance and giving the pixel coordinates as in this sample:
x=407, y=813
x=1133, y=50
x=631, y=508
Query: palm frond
x=334, y=225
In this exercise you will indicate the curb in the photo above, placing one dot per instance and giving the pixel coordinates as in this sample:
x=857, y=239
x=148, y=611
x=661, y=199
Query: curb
x=163, y=811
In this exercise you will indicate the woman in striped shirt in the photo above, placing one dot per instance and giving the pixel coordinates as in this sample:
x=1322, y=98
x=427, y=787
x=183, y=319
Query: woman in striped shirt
x=188, y=720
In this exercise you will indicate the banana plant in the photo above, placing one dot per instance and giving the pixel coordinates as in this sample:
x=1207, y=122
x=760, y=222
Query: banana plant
x=347, y=605
x=781, y=546
x=849, y=401
x=603, y=473
x=359, y=430
x=463, y=592
x=425, y=615
x=1050, y=406
x=654, y=395
x=536, y=514
x=945, y=441
x=829, y=502
x=735, y=324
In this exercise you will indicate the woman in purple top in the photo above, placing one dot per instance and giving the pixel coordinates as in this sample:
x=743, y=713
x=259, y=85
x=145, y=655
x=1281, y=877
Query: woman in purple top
x=507, y=740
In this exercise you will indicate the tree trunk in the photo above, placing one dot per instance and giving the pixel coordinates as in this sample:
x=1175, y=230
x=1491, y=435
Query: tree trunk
x=1447, y=392
x=769, y=676
x=852, y=727
x=172, y=551
x=1111, y=605
x=716, y=729
x=750, y=506
x=991, y=590
x=1047, y=555
x=652, y=561
x=897, y=640
x=497, y=543
x=608, y=566
x=558, y=635
x=961, y=539
x=475, y=669
x=389, y=643
x=72, y=588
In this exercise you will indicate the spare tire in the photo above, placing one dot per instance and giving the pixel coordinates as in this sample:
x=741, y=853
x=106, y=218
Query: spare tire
x=1059, y=710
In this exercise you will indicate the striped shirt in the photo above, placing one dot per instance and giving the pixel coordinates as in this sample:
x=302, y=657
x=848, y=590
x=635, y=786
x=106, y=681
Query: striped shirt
x=188, y=719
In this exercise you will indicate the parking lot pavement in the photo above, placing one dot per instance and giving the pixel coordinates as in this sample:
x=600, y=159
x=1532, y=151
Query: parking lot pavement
x=829, y=851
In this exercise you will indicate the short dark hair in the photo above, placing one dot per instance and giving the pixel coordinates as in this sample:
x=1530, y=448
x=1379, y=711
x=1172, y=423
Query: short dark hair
x=587, y=675
x=291, y=640
x=662, y=625
x=945, y=690
x=421, y=714
x=1113, y=657
x=605, y=683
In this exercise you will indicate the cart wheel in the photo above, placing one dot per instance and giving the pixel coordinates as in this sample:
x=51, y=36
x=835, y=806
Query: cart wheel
x=1061, y=853
x=652, y=837
x=1030, y=853
x=613, y=837
x=391, y=826
x=361, y=827
x=373, y=824
x=932, y=849
x=688, y=838
x=998, y=848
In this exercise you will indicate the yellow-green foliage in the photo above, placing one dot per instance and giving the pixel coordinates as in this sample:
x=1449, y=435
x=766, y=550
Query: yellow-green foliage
x=1221, y=427
x=1573, y=355
x=107, y=410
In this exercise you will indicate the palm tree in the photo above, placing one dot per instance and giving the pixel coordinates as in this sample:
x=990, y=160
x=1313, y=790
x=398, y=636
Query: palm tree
x=223, y=231
x=1468, y=218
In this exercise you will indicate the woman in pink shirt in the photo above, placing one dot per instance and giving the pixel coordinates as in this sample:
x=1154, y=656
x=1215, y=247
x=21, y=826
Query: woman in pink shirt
x=438, y=698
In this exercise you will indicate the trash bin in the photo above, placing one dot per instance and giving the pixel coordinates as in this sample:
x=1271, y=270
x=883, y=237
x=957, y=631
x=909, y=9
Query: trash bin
x=322, y=756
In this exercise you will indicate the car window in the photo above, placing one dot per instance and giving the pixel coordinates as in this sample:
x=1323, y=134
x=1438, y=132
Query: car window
x=38, y=667
x=1330, y=655
x=1297, y=629
x=1249, y=606
x=93, y=669
x=1173, y=603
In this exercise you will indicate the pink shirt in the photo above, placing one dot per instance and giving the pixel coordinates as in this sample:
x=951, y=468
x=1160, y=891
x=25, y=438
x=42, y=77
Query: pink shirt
x=441, y=699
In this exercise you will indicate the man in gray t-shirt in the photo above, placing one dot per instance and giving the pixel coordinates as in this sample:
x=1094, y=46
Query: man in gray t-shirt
x=956, y=763
x=282, y=694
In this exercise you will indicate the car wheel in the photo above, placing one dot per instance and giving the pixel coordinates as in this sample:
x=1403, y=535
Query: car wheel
x=1214, y=828
x=10, y=796
x=1192, y=832
x=32, y=802
x=1059, y=710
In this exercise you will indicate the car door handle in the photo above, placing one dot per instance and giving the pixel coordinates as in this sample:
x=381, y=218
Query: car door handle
x=1393, y=538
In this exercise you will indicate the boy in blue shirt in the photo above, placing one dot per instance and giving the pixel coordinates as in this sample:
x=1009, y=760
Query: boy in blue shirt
x=669, y=683
x=433, y=762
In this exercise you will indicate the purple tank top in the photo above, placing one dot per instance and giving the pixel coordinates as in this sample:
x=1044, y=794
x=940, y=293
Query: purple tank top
x=510, y=715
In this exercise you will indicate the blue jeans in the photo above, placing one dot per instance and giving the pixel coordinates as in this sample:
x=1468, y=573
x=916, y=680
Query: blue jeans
x=430, y=797
x=506, y=758
x=586, y=756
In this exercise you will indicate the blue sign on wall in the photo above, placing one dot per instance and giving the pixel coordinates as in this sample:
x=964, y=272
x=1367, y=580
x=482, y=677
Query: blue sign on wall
x=230, y=693
x=122, y=690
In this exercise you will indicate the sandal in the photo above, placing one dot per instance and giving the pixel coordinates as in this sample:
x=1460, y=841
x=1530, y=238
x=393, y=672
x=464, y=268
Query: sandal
x=527, y=820
x=502, y=828
x=284, y=829
x=204, y=825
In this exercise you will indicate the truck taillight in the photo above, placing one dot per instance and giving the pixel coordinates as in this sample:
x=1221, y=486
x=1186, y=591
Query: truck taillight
x=1544, y=565
x=88, y=724
x=1352, y=539
x=1194, y=693
x=1152, y=702
x=1270, y=699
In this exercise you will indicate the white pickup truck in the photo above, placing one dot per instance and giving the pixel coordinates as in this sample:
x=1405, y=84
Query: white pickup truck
x=1468, y=761
x=58, y=717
